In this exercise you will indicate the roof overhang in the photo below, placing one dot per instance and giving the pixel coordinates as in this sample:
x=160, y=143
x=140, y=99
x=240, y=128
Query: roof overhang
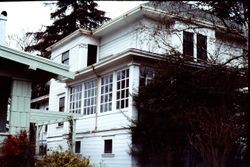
x=35, y=63
x=128, y=56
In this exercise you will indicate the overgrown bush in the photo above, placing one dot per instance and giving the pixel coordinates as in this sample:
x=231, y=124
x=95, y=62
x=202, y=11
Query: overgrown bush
x=61, y=158
x=17, y=151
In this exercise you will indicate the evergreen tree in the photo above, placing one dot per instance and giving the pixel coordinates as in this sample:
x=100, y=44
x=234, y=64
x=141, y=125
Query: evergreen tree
x=68, y=17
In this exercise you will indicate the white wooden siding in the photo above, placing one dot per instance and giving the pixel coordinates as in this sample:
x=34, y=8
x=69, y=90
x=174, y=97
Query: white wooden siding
x=93, y=147
x=117, y=41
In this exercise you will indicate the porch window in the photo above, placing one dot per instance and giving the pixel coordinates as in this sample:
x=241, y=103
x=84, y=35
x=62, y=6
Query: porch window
x=106, y=93
x=122, y=92
x=89, y=97
x=75, y=99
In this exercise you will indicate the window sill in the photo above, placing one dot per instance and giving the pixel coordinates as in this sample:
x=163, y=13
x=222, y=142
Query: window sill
x=108, y=155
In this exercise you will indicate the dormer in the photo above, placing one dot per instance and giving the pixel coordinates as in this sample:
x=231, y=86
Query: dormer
x=78, y=50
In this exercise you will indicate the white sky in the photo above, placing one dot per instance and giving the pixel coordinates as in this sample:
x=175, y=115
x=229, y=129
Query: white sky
x=30, y=16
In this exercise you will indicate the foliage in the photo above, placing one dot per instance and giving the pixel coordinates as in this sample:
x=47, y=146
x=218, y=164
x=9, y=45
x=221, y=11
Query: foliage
x=236, y=11
x=61, y=158
x=68, y=17
x=17, y=151
x=202, y=108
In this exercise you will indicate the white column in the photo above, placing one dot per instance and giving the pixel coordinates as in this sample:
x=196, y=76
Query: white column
x=20, y=106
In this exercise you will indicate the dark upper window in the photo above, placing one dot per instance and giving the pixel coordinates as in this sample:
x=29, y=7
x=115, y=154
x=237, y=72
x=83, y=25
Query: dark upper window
x=61, y=104
x=61, y=107
x=188, y=45
x=92, y=53
x=108, y=146
x=201, y=47
x=65, y=57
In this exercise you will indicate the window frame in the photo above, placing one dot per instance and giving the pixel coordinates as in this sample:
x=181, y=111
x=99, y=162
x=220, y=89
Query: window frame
x=106, y=92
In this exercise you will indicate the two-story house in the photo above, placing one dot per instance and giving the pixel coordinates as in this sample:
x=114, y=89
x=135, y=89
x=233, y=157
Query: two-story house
x=111, y=62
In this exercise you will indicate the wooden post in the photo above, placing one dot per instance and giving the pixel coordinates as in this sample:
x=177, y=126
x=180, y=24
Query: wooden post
x=38, y=130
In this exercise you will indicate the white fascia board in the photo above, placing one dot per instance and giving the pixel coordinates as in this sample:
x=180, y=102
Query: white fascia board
x=41, y=98
x=68, y=38
x=117, y=20
x=35, y=62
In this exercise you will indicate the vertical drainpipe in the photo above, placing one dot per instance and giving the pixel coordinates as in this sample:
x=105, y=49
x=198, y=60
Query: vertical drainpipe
x=97, y=97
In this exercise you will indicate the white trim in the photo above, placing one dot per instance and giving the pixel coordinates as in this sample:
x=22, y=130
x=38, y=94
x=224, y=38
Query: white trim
x=44, y=117
x=40, y=98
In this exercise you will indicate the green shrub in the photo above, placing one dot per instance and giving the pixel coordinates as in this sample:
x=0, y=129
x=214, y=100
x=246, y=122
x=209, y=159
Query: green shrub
x=61, y=158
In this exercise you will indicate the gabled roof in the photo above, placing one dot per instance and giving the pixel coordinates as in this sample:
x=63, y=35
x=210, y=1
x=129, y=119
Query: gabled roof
x=35, y=62
x=169, y=9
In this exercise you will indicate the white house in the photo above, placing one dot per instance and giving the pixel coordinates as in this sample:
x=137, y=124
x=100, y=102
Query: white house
x=111, y=62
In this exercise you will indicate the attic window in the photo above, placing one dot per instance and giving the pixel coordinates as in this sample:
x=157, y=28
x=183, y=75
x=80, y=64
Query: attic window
x=188, y=45
x=92, y=53
x=65, y=57
x=201, y=47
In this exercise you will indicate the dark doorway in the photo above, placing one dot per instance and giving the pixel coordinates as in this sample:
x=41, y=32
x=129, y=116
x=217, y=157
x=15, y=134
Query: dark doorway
x=5, y=89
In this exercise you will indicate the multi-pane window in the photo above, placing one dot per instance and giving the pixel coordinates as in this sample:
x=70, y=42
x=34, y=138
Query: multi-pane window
x=75, y=99
x=201, y=47
x=106, y=93
x=65, y=57
x=122, y=92
x=188, y=45
x=89, y=97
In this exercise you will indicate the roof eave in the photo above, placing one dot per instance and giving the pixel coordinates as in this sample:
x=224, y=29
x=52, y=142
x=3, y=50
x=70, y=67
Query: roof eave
x=35, y=62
